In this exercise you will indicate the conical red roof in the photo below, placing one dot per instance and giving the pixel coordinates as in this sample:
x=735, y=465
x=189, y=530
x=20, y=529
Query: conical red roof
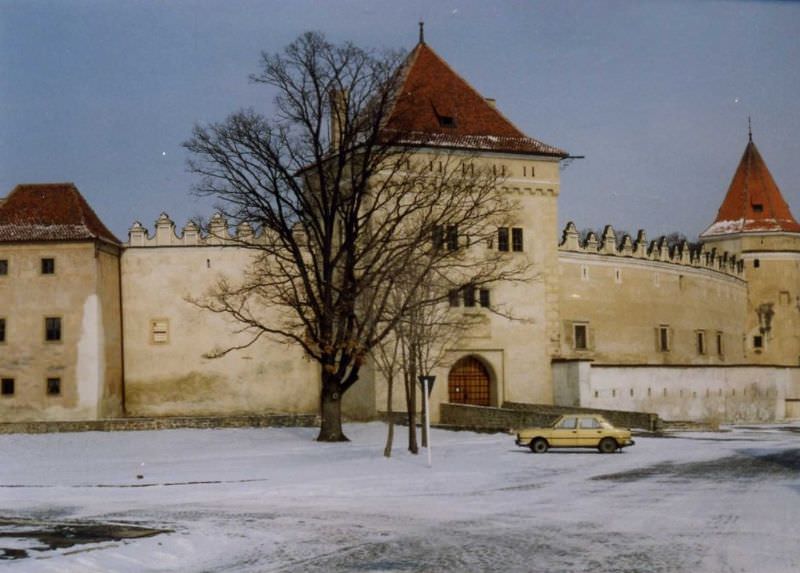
x=434, y=106
x=50, y=212
x=753, y=203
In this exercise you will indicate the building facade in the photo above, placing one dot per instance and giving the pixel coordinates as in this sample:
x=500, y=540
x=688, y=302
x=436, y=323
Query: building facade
x=92, y=328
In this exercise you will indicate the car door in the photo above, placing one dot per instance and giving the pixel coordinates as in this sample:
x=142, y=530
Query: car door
x=565, y=433
x=590, y=432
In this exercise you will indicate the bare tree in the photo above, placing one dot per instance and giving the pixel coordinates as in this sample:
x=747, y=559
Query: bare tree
x=339, y=204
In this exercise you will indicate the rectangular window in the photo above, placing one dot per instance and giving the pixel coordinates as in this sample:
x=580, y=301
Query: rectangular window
x=469, y=296
x=756, y=263
x=3, y=267
x=484, y=298
x=580, y=338
x=516, y=240
x=452, y=238
x=663, y=338
x=48, y=266
x=437, y=237
x=758, y=207
x=502, y=239
x=53, y=386
x=758, y=342
x=2, y=330
x=159, y=331
x=720, y=346
x=52, y=329
x=701, y=341
x=454, y=297
x=7, y=387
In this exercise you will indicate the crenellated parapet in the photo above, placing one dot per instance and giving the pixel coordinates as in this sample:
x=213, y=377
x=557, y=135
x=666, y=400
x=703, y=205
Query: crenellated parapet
x=165, y=234
x=610, y=244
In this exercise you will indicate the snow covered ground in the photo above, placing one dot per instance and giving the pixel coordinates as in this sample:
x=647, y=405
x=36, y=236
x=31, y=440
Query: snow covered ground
x=261, y=500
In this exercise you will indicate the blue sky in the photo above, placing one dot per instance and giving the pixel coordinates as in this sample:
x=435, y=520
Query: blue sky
x=656, y=95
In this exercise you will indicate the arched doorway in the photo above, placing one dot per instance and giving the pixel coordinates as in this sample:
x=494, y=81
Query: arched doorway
x=469, y=383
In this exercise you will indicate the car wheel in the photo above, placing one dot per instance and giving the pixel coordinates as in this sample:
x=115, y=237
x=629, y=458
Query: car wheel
x=608, y=446
x=539, y=446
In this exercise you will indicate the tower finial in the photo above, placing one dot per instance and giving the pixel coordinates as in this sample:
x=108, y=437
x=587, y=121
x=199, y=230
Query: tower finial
x=749, y=130
x=421, y=32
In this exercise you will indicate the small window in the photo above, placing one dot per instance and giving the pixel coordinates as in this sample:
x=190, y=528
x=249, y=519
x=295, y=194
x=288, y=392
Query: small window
x=447, y=121
x=516, y=239
x=2, y=330
x=568, y=423
x=469, y=296
x=452, y=238
x=7, y=387
x=700, y=336
x=758, y=208
x=454, y=297
x=3, y=267
x=48, y=266
x=580, y=338
x=52, y=329
x=53, y=386
x=758, y=341
x=756, y=263
x=720, y=346
x=437, y=237
x=502, y=239
x=663, y=338
x=159, y=331
x=589, y=424
x=617, y=276
x=485, y=297
x=584, y=273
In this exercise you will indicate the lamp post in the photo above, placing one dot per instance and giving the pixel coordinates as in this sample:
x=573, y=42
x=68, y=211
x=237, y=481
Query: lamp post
x=427, y=387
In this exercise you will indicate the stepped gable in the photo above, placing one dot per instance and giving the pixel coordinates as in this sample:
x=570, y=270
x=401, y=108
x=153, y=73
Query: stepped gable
x=754, y=202
x=50, y=212
x=434, y=106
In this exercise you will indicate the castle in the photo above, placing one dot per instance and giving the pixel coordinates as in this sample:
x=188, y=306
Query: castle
x=91, y=327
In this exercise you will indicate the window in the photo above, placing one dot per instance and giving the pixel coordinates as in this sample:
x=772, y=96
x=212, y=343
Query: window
x=589, y=423
x=484, y=297
x=515, y=244
x=568, y=423
x=663, y=338
x=454, y=297
x=756, y=263
x=52, y=329
x=580, y=338
x=584, y=273
x=758, y=207
x=447, y=121
x=720, y=347
x=159, y=331
x=617, y=276
x=437, y=237
x=48, y=266
x=7, y=387
x=2, y=330
x=516, y=239
x=3, y=267
x=53, y=386
x=452, y=237
x=700, y=336
x=469, y=296
x=758, y=342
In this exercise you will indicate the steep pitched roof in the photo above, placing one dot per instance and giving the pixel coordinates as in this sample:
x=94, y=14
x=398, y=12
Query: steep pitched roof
x=753, y=202
x=50, y=212
x=434, y=106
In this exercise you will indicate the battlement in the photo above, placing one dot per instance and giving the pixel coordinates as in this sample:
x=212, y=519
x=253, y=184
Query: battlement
x=659, y=250
x=166, y=235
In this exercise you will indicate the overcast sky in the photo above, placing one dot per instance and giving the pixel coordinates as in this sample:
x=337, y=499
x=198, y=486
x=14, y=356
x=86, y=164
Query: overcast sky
x=656, y=95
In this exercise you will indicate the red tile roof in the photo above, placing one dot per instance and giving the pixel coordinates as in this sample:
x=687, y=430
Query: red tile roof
x=436, y=107
x=754, y=202
x=50, y=212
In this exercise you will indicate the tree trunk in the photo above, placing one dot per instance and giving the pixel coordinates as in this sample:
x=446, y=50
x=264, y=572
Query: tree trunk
x=424, y=429
x=330, y=429
x=387, y=450
x=411, y=405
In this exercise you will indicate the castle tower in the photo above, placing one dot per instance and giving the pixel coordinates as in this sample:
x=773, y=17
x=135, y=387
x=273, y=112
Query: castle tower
x=755, y=223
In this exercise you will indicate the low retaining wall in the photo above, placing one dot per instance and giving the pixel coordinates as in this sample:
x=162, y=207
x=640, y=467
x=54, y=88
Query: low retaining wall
x=138, y=424
x=517, y=415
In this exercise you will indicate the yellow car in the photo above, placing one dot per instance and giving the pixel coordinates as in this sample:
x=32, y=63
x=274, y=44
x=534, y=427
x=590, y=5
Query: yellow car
x=576, y=431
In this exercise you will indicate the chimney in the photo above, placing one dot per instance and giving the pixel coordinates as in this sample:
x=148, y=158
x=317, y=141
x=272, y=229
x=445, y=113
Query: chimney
x=491, y=101
x=338, y=121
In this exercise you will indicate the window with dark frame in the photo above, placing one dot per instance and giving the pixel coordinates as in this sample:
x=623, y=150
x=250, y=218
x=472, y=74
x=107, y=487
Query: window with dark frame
x=758, y=207
x=701, y=341
x=52, y=329
x=756, y=263
x=720, y=347
x=580, y=337
x=758, y=341
x=7, y=387
x=454, y=297
x=2, y=329
x=502, y=239
x=452, y=237
x=48, y=266
x=485, y=298
x=469, y=296
x=3, y=267
x=437, y=237
x=663, y=338
x=516, y=239
x=53, y=386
